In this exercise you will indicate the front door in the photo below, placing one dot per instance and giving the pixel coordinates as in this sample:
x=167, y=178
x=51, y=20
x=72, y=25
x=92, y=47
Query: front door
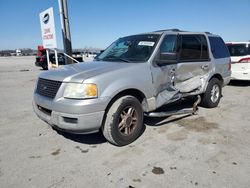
x=163, y=70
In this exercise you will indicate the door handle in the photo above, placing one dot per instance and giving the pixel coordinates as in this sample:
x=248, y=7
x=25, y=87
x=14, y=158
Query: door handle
x=205, y=67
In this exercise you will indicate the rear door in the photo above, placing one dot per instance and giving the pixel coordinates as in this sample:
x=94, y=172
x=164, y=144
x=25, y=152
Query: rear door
x=194, y=63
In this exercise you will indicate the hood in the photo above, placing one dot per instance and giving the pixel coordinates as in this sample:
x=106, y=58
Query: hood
x=81, y=71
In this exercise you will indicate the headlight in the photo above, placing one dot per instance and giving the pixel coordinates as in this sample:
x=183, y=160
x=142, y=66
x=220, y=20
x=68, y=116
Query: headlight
x=80, y=91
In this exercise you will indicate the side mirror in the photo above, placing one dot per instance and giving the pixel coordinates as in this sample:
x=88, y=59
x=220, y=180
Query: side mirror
x=168, y=56
x=165, y=58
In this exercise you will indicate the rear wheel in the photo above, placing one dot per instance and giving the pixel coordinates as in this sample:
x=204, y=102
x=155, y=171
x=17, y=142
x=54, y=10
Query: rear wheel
x=211, y=97
x=124, y=121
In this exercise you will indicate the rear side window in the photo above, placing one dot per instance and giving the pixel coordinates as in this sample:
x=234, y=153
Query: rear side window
x=238, y=49
x=218, y=48
x=193, y=48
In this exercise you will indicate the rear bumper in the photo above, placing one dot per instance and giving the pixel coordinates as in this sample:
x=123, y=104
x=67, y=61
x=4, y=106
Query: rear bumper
x=241, y=75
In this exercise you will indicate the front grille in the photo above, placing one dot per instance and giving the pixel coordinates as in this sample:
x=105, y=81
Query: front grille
x=48, y=88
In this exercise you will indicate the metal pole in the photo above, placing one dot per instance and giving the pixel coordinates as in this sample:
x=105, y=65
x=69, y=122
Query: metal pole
x=63, y=9
x=73, y=59
x=56, y=56
x=48, y=60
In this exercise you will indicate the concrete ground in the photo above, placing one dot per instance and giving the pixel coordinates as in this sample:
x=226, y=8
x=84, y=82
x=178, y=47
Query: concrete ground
x=211, y=149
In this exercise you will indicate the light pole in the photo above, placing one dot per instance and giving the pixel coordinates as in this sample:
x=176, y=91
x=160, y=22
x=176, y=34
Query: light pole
x=63, y=9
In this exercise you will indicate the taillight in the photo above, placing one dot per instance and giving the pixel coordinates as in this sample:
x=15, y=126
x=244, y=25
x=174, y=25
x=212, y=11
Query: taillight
x=244, y=60
x=229, y=64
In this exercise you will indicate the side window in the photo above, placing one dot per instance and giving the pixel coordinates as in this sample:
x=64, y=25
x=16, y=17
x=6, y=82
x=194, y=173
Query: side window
x=218, y=48
x=168, y=44
x=193, y=48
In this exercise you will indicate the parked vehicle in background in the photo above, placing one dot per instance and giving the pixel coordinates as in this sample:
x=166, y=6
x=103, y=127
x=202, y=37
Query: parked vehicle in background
x=40, y=52
x=42, y=61
x=77, y=56
x=89, y=56
x=240, y=58
x=135, y=75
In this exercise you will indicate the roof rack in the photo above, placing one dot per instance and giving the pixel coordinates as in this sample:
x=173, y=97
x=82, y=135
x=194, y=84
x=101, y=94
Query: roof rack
x=174, y=29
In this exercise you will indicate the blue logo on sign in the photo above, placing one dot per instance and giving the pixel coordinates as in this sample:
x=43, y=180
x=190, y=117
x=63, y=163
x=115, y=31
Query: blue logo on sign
x=46, y=18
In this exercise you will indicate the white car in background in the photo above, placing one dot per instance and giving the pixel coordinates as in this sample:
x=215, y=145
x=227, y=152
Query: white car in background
x=240, y=59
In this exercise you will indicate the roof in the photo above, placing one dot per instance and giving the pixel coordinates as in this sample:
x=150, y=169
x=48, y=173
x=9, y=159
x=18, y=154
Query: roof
x=178, y=31
x=247, y=42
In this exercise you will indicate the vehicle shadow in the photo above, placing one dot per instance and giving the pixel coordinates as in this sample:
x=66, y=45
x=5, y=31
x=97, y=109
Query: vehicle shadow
x=239, y=83
x=91, y=139
x=155, y=121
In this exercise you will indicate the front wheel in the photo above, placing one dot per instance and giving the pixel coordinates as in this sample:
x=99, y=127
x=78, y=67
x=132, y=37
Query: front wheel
x=211, y=97
x=124, y=121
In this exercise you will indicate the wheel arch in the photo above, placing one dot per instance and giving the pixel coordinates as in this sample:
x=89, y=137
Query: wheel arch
x=219, y=77
x=132, y=91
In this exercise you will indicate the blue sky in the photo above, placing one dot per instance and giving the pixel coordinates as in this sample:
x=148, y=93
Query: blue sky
x=97, y=23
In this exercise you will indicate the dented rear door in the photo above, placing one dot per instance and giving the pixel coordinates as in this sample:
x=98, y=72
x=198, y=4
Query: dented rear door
x=194, y=63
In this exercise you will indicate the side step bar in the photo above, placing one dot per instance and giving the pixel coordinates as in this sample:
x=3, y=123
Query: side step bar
x=192, y=111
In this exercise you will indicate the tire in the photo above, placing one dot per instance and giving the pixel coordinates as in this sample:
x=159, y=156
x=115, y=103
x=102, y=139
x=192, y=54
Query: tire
x=124, y=121
x=45, y=67
x=212, y=96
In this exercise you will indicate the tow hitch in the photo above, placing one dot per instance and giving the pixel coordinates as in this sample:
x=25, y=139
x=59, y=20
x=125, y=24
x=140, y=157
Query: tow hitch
x=191, y=111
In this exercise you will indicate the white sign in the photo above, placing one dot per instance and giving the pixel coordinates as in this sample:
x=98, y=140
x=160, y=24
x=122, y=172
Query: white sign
x=48, y=28
x=146, y=43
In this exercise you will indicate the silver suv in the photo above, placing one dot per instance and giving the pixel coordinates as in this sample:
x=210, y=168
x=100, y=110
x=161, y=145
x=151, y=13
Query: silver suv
x=134, y=75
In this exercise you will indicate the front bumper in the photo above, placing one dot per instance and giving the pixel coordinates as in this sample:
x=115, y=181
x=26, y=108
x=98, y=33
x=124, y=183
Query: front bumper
x=74, y=118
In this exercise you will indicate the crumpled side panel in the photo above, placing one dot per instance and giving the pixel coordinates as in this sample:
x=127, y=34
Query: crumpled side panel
x=166, y=96
x=172, y=93
x=189, y=84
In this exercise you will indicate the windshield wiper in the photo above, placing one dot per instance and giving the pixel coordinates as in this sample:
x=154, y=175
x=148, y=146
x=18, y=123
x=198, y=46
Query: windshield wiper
x=97, y=59
x=116, y=58
x=124, y=60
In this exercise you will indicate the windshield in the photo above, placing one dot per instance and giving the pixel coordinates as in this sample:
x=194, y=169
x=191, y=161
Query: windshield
x=137, y=48
x=237, y=49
